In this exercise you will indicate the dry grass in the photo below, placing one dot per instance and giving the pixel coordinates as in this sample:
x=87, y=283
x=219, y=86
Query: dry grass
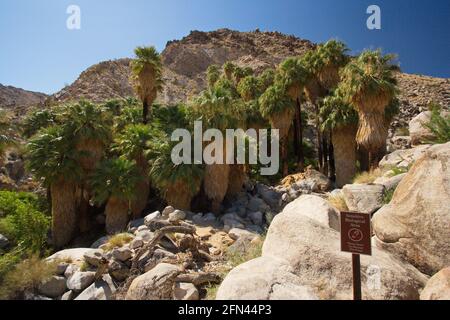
x=26, y=276
x=368, y=176
x=338, y=202
x=235, y=258
x=118, y=241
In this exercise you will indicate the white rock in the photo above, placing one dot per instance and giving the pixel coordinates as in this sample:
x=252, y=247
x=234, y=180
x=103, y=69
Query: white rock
x=185, y=291
x=102, y=289
x=316, y=208
x=80, y=280
x=264, y=278
x=53, y=287
x=177, y=215
x=136, y=243
x=94, y=257
x=69, y=295
x=167, y=210
x=152, y=216
x=122, y=254
x=366, y=198
x=155, y=284
x=70, y=270
x=438, y=287
x=72, y=255
x=415, y=225
x=237, y=233
x=403, y=158
x=390, y=183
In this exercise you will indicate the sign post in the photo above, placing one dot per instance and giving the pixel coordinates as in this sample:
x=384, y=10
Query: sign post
x=356, y=235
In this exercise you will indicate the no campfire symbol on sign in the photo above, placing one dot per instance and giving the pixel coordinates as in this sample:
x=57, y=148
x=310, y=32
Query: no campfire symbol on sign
x=356, y=233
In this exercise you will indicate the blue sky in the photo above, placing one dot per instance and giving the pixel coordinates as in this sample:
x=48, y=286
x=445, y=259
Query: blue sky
x=39, y=53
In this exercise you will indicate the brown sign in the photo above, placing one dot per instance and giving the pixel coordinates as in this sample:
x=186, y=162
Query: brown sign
x=356, y=233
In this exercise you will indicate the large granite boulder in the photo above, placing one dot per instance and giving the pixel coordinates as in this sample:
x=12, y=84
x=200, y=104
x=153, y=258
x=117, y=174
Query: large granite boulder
x=438, y=287
x=303, y=255
x=418, y=130
x=403, y=158
x=416, y=224
x=365, y=198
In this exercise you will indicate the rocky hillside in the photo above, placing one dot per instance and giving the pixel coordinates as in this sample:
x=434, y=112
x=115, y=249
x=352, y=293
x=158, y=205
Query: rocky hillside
x=17, y=99
x=186, y=61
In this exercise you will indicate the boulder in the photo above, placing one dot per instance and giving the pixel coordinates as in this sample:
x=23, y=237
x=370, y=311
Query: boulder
x=151, y=217
x=185, y=291
x=80, y=280
x=70, y=255
x=256, y=204
x=315, y=208
x=61, y=268
x=237, y=233
x=70, y=270
x=438, y=287
x=418, y=131
x=53, y=287
x=403, y=158
x=122, y=254
x=264, y=278
x=102, y=289
x=94, y=257
x=69, y=295
x=415, y=225
x=167, y=210
x=312, y=249
x=270, y=196
x=145, y=235
x=118, y=270
x=176, y=216
x=156, y=284
x=136, y=243
x=365, y=198
x=301, y=259
x=390, y=183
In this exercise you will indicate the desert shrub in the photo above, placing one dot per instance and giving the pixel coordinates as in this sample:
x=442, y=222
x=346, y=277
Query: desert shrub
x=338, y=202
x=439, y=125
x=118, y=240
x=368, y=176
x=26, y=276
x=22, y=220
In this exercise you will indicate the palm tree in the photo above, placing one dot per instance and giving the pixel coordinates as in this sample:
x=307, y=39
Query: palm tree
x=217, y=108
x=292, y=76
x=279, y=109
x=132, y=144
x=51, y=156
x=266, y=79
x=342, y=120
x=177, y=183
x=228, y=69
x=114, y=182
x=147, y=77
x=249, y=88
x=90, y=127
x=36, y=120
x=369, y=85
x=212, y=75
x=323, y=65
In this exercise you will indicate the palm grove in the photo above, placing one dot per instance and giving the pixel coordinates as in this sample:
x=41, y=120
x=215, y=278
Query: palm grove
x=115, y=157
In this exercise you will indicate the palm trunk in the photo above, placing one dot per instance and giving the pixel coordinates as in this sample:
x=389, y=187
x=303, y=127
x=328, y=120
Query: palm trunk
x=179, y=196
x=145, y=112
x=320, y=148
x=139, y=203
x=116, y=215
x=216, y=184
x=331, y=158
x=64, y=212
x=344, y=146
x=300, y=156
x=236, y=179
x=324, y=155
